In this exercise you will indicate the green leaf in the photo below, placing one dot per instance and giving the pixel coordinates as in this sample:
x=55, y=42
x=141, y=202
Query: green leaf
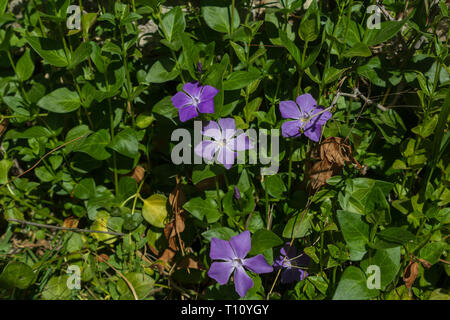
x=263, y=240
x=165, y=108
x=173, y=24
x=251, y=108
x=5, y=165
x=95, y=145
x=202, y=172
x=219, y=18
x=141, y=282
x=358, y=50
x=298, y=228
x=76, y=132
x=56, y=289
x=353, y=286
x=240, y=52
x=291, y=47
x=391, y=125
x=201, y=208
x=397, y=235
x=85, y=189
x=223, y=233
x=61, y=100
x=388, y=260
x=17, y=275
x=126, y=143
x=387, y=30
x=432, y=251
x=274, y=186
x=332, y=74
x=240, y=79
x=426, y=128
x=355, y=232
x=162, y=71
x=154, y=210
x=309, y=28
x=80, y=54
x=25, y=66
x=49, y=50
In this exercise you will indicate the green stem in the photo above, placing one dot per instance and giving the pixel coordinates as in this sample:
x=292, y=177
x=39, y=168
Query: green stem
x=291, y=148
x=219, y=201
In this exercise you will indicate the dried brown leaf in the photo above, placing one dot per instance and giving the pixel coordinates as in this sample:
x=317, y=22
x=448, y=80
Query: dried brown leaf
x=410, y=274
x=3, y=126
x=70, y=222
x=336, y=151
x=138, y=174
x=319, y=173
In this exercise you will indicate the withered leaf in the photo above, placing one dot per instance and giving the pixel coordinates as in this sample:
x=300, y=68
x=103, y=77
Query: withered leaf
x=138, y=174
x=70, y=222
x=425, y=263
x=319, y=173
x=410, y=274
x=336, y=151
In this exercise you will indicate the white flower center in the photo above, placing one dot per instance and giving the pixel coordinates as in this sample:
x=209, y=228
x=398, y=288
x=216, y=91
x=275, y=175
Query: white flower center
x=237, y=262
x=222, y=142
x=195, y=101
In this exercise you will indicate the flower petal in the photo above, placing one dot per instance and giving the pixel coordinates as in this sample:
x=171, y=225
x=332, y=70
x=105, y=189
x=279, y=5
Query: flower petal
x=208, y=93
x=258, y=264
x=241, y=244
x=314, y=132
x=292, y=275
x=221, y=271
x=212, y=129
x=290, y=250
x=187, y=112
x=193, y=89
x=242, y=282
x=221, y=250
x=321, y=118
x=228, y=127
x=206, y=106
x=240, y=143
x=306, y=103
x=291, y=129
x=226, y=157
x=181, y=99
x=289, y=110
x=206, y=149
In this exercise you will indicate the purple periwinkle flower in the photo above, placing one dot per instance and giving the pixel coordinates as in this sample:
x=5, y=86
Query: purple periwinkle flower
x=291, y=260
x=225, y=143
x=233, y=254
x=237, y=193
x=308, y=117
x=195, y=98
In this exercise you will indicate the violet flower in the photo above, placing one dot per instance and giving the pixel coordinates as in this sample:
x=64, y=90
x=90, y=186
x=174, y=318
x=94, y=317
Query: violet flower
x=233, y=254
x=225, y=143
x=237, y=193
x=195, y=98
x=309, y=118
x=291, y=260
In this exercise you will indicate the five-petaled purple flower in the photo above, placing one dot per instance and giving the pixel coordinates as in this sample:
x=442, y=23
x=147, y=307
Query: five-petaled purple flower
x=233, y=254
x=225, y=143
x=291, y=260
x=309, y=118
x=195, y=98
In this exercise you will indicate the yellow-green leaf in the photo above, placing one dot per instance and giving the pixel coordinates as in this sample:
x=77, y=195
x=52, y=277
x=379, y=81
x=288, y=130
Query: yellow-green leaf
x=155, y=210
